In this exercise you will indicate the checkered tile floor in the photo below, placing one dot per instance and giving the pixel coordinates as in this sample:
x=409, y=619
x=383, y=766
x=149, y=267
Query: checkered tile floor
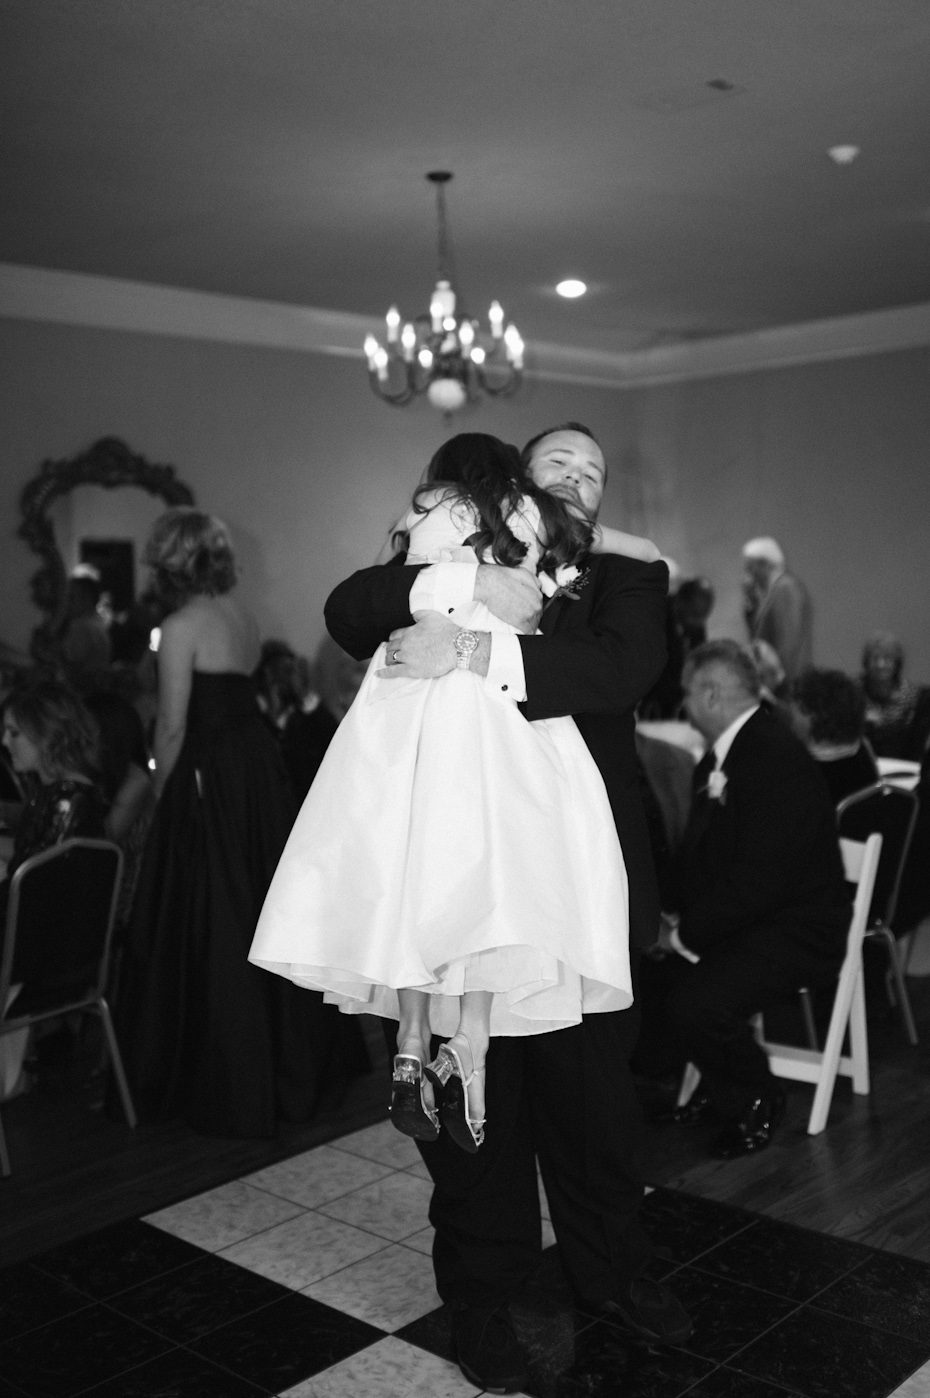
x=313, y=1279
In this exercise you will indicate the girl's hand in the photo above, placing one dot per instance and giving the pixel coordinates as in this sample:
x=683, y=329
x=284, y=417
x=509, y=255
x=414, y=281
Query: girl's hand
x=513, y=594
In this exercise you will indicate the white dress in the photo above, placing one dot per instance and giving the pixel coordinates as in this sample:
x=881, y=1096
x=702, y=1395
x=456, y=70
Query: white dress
x=448, y=844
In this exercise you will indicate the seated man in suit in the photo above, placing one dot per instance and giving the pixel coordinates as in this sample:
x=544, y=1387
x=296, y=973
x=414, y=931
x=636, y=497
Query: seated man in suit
x=762, y=905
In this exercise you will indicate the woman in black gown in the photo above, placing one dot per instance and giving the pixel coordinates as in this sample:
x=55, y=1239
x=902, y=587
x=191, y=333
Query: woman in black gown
x=208, y=1036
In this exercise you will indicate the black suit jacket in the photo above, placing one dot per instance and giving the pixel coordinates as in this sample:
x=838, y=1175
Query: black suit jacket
x=596, y=658
x=764, y=861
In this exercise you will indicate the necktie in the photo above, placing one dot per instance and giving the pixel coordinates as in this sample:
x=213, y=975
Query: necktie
x=702, y=771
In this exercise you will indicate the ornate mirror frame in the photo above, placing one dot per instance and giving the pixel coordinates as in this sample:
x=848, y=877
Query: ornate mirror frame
x=109, y=463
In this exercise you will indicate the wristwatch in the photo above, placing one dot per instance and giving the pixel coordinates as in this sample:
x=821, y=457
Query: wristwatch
x=465, y=643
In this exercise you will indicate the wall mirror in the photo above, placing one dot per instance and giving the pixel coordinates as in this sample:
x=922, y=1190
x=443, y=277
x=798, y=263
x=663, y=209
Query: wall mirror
x=98, y=508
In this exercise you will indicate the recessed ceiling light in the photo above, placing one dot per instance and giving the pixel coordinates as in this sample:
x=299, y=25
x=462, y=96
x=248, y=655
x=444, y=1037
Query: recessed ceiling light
x=571, y=287
x=843, y=155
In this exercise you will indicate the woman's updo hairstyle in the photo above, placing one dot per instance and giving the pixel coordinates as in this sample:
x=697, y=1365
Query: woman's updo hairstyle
x=191, y=555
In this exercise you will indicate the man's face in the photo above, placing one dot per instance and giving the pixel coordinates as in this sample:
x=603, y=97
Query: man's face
x=882, y=670
x=24, y=753
x=571, y=466
x=755, y=576
x=698, y=703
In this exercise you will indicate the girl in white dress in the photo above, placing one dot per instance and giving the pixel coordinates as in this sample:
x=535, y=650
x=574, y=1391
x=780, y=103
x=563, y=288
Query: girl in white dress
x=455, y=867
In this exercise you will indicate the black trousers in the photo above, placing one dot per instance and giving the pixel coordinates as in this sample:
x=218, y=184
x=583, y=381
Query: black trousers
x=567, y=1097
x=701, y=1013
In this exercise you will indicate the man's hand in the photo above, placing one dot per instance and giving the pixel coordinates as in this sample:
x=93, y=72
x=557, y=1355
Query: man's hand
x=512, y=594
x=423, y=651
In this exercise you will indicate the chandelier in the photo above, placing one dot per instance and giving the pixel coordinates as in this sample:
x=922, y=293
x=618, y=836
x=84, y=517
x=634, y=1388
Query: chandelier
x=440, y=353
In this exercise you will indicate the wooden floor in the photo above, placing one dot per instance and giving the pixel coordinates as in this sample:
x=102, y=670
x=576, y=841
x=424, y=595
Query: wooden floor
x=867, y=1177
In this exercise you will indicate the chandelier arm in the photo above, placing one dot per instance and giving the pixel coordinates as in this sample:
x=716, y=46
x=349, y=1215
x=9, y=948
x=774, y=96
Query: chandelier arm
x=501, y=390
x=400, y=398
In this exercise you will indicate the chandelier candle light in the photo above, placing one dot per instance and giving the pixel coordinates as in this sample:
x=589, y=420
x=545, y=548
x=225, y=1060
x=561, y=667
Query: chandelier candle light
x=440, y=354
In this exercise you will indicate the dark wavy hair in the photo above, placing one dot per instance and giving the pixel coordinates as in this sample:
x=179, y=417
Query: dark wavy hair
x=833, y=702
x=489, y=473
x=570, y=426
x=57, y=720
x=191, y=555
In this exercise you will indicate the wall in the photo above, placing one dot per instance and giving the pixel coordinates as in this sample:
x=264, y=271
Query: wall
x=293, y=450
x=308, y=468
x=830, y=458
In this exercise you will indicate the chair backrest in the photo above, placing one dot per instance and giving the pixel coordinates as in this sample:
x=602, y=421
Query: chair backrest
x=890, y=811
x=59, y=924
x=861, y=860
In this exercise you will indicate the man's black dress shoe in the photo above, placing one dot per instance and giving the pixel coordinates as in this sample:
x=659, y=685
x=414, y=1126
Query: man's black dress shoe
x=487, y=1349
x=754, y=1130
x=698, y=1110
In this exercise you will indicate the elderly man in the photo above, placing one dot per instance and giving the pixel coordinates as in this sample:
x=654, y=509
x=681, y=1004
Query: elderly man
x=778, y=607
x=567, y=1096
x=762, y=903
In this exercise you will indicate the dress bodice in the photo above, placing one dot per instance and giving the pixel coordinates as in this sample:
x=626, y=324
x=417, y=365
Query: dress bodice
x=219, y=700
x=439, y=535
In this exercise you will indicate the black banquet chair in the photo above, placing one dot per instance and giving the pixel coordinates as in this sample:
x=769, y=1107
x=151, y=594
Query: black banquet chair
x=56, y=950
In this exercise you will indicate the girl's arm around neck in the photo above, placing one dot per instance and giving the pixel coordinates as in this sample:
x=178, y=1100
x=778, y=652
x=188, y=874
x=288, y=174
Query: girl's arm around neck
x=607, y=540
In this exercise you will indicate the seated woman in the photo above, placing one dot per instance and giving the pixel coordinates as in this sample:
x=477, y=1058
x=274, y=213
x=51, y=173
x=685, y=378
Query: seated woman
x=895, y=709
x=828, y=714
x=52, y=742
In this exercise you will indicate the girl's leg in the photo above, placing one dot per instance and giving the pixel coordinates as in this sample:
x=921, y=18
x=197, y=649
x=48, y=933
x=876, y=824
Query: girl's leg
x=471, y=1041
x=413, y=1032
x=412, y=1097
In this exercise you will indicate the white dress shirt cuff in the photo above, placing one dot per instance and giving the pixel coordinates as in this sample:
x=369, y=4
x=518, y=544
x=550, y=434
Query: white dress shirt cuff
x=505, y=668
x=443, y=586
x=679, y=946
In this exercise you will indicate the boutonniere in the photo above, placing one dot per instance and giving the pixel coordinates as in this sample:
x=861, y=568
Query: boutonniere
x=717, y=786
x=567, y=581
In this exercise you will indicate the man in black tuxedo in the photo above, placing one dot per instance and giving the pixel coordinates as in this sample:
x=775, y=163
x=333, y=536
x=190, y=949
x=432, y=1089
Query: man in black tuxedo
x=762, y=904
x=566, y=1096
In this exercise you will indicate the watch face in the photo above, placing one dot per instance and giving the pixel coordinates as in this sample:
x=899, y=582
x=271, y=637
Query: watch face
x=466, y=642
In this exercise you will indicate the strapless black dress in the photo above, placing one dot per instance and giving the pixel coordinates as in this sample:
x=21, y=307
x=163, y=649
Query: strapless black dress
x=207, y=1036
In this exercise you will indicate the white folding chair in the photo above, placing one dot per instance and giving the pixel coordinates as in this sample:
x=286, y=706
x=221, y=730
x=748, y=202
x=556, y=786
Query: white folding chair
x=822, y=1066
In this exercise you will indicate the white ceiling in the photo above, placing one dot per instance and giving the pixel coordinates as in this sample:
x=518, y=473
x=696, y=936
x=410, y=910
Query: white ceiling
x=277, y=149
